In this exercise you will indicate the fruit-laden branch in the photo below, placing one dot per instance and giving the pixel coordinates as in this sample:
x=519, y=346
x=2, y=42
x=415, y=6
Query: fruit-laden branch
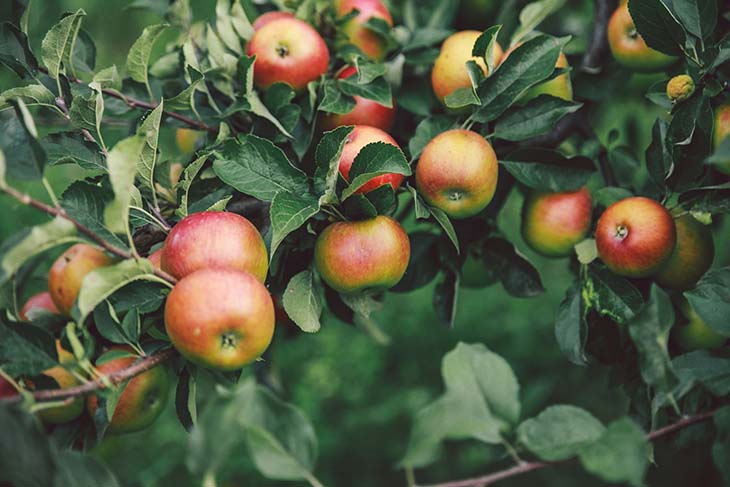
x=83, y=229
x=525, y=467
x=114, y=379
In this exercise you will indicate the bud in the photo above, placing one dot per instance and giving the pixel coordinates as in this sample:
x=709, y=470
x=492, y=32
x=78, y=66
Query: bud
x=680, y=87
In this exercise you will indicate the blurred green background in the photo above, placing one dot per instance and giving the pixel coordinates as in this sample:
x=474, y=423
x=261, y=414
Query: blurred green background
x=361, y=396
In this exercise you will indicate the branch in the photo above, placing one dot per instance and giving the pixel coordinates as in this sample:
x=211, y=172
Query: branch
x=526, y=467
x=114, y=378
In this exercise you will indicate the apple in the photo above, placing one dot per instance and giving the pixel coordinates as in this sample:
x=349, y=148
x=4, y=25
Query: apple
x=156, y=258
x=366, y=255
x=267, y=17
x=628, y=47
x=695, y=334
x=457, y=172
x=552, y=223
x=692, y=256
x=366, y=112
x=635, y=237
x=68, y=273
x=721, y=132
x=288, y=50
x=559, y=87
x=361, y=136
x=222, y=319
x=62, y=375
x=6, y=388
x=449, y=70
x=680, y=87
x=143, y=398
x=214, y=239
x=188, y=139
x=368, y=41
x=38, y=303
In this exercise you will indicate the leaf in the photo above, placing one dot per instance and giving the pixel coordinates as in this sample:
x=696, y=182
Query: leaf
x=711, y=300
x=484, y=46
x=620, y=455
x=699, y=17
x=258, y=168
x=423, y=265
x=445, y=298
x=710, y=371
x=122, y=164
x=426, y=130
x=150, y=132
x=185, y=398
x=58, y=43
x=288, y=212
x=75, y=468
x=30, y=94
x=538, y=117
x=334, y=100
x=375, y=159
x=85, y=203
x=26, y=349
x=24, y=155
x=659, y=161
x=547, y=170
x=532, y=15
x=15, y=51
x=612, y=295
x=363, y=306
x=108, y=325
x=138, y=57
x=191, y=171
x=15, y=252
x=27, y=458
x=256, y=106
x=303, y=301
x=108, y=78
x=559, y=432
x=570, y=329
x=327, y=164
x=184, y=99
x=443, y=220
x=71, y=147
x=658, y=26
x=378, y=90
x=586, y=251
x=518, y=276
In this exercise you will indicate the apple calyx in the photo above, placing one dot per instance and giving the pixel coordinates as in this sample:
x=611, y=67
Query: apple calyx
x=229, y=339
x=622, y=231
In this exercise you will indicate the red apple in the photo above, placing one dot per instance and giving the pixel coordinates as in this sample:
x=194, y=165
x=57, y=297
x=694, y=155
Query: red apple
x=366, y=111
x=267, y=17
x=361, y=136
x=457, y=172
x=629, y=48
x=41, y=302
x=368, y=41
x=635, y=237
x=289, y=51
x=552, y=223
x=214, y=239
x=156, y=258
x=692, y=256
x=365, y=255
x=68, y=273
x=220, y=318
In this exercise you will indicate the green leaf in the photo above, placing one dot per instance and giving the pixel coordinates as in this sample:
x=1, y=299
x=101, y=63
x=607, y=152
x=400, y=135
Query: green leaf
x=334, y=100
x=586, y=251
x=150, y=132
x=570, y=329
x=85, y=202
x=518, y=276
x=258, y=168
x=24, y=155
x=108, y=78
x=373, y=160
x=658, y=26
x=699, y=17
x=701, y=367
x=256, y=106
x=484, y=46
x=721, y=447
x=620, y=455
x=327, y=164
x=445, y=298
x=71, y=147
x=659, y=161
x=122, y=163
x=27, y=458
x=711, y=300
x=288, y=212
x=30, y=94
x=559, y=432
x=532, y=15
x=377, y=90
x=15, y=52
x=547, y=170
x=108, y=325
x=538, y=117
x=185, y=398
x=363, y=306
x=426, y=130
x=303, y=301
x=26, y=349
x=612, y=295
x=76, y=468
x=14, y=253
x=191, y=171
x=443, y=220
x=58, y=44
x=184, y=99
x=138, y=57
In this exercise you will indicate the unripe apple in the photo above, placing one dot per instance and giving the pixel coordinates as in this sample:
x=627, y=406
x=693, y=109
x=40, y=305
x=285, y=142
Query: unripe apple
x=141, y=401
x=220, y=318
x=695, y=334
x=367, y=40
x=628, y=47
x=361, y=136
x=721, y=132
x=449, y=70
x=288, y=50
x=188, y=139
x=635, y=237
x=366, y=111
x=156, y=258
x=692, y=256
x=680, y=87
x=366, y=255
x=553, y=223
x=457, y=172
x=214, y=239
x=41, y=302
x=68, y=273
x=267, y=17
x=65, y=379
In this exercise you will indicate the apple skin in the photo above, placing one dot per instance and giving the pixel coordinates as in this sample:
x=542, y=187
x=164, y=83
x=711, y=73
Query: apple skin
x=449, y=70
x=65, y=379
x=288, y=50
x=368, y=41
x=721, y=132
x=695, y=334
x=629, y=49
x=68, y=273
x=142, y=400
x=220, y=319
x=214, y=239
x=457, y=172
x=156, y=258
x=6, y=388
x=366, y=112
x=366, y=255
x=187, y=139
x=268, y=17
x=635, y=237
x=38, y=302
x=361, y=136
x=553, y=223
x=691, y=258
